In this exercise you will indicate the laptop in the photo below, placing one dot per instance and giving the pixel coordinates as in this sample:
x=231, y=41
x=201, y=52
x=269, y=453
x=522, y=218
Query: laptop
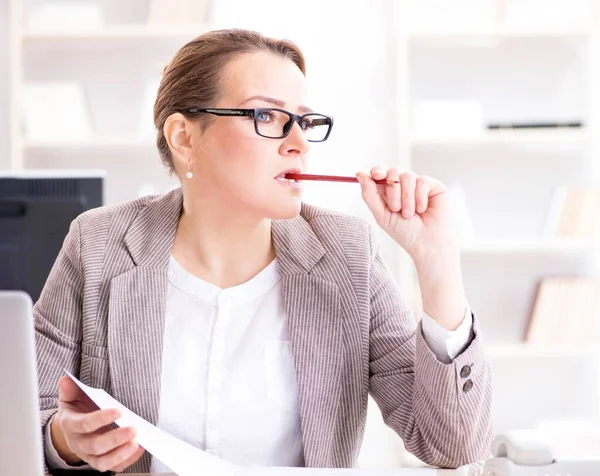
x=20, y=433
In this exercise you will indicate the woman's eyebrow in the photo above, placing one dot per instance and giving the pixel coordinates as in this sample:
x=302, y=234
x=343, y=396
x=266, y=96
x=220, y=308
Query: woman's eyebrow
x=276, y=102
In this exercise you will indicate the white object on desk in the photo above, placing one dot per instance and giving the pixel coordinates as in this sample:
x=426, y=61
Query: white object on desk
x=528, y=453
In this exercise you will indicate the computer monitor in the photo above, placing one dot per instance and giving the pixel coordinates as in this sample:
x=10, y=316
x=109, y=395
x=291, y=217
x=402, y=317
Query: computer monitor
x=36, y=210
x=20, y=435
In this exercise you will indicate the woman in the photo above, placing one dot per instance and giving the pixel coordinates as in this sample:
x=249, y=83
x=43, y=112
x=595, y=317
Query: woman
x=241, y=320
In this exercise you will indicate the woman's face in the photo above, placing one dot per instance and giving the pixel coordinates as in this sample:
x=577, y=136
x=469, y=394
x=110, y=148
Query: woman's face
x=235, y=166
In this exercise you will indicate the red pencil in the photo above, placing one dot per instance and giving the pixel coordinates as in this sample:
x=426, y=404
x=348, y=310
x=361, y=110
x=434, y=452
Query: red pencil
x=331, y=178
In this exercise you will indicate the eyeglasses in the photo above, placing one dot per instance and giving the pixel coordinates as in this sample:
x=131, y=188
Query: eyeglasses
x=274, y=123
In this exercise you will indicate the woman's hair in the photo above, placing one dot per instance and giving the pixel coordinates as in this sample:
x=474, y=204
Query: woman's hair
x=193, y=77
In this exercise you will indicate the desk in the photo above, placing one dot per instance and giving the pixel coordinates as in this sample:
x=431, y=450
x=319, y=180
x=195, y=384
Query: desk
x=470, y=470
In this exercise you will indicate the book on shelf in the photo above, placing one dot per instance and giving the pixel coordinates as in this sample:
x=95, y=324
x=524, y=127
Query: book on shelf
x=65, y=16
x=146, y=129
x=178, y=12
x=56, y=111
x=573, y=213
x=565, y=312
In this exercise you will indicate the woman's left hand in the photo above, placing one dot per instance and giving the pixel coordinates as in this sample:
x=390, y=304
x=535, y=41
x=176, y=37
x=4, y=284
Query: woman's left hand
x=415, y=212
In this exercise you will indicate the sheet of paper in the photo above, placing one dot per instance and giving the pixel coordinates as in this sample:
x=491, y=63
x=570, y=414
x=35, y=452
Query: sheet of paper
x=183, y=458
x=187, y=460
x=339, y=472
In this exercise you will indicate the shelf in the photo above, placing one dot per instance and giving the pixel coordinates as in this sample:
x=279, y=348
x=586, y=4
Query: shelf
x=526, y=351
x=97, y=144
x=496, y=33
x=532, y=246
x=115, y=33
x=51, y=173
x=504, y=138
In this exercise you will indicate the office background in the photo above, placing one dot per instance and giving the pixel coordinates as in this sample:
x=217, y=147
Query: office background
x=427, y=85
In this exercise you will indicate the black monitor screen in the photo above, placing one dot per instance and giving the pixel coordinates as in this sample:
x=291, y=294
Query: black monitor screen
x=35, y=215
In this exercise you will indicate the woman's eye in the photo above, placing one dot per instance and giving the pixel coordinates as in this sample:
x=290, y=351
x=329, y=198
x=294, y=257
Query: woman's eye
x=307, y=124
x=265, y=116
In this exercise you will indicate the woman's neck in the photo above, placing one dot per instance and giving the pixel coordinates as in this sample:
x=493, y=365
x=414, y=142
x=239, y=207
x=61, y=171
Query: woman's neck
x=222, y=247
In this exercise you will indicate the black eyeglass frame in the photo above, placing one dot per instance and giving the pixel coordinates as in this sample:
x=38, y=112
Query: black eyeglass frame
x=256, y=111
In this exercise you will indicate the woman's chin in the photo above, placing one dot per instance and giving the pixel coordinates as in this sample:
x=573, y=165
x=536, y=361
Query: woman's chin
x=285, y=209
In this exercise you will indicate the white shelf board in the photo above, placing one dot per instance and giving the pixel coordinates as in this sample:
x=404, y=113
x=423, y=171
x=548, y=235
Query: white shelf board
x=525, y=351
x=510, y=137
x=98, y=143
x=527, y=246
x=501, y=32
x=51, y=173
x=116, y=33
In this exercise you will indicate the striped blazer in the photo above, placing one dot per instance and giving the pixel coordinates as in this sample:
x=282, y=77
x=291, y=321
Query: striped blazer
x=101, y=316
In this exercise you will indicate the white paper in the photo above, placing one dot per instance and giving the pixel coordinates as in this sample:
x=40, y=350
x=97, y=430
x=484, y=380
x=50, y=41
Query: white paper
x=183, y=458
x=276, y=471
x=187, y=460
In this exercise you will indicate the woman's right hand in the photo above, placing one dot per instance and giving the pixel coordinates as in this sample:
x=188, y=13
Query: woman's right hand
x=80, y=432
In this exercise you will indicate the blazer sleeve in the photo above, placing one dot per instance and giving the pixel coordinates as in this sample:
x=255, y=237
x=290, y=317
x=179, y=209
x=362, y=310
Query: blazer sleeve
x=441, y=411
x=58, y=324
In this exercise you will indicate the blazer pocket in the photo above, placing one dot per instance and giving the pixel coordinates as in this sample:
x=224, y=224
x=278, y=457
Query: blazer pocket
x=94, y=351
x=280, y=375
x=95, y=369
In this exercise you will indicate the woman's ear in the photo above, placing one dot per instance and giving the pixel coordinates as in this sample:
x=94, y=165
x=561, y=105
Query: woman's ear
x=177, y=131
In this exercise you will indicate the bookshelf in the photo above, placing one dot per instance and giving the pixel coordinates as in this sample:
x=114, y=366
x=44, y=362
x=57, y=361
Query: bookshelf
x=491, y=68
x=115, y=60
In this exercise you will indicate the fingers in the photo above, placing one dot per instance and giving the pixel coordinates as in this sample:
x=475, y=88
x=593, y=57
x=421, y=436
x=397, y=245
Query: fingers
x=378, y=172
x=408, y=182
x=99, y=444
x=68, y=391
x=128, y=462
x=81, y=423
x=394, y=199
x=423, y=187
x=117, y=457
x=412, y=194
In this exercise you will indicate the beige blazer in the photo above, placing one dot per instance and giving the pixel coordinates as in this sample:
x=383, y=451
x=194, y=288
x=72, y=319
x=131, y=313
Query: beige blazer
x=101, y=316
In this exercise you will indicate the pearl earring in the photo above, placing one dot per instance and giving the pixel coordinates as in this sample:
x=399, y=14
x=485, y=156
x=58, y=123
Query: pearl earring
x=189, y=172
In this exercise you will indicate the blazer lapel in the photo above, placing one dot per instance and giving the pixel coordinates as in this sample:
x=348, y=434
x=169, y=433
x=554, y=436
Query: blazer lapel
x=137, y=308
x=315, y=328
